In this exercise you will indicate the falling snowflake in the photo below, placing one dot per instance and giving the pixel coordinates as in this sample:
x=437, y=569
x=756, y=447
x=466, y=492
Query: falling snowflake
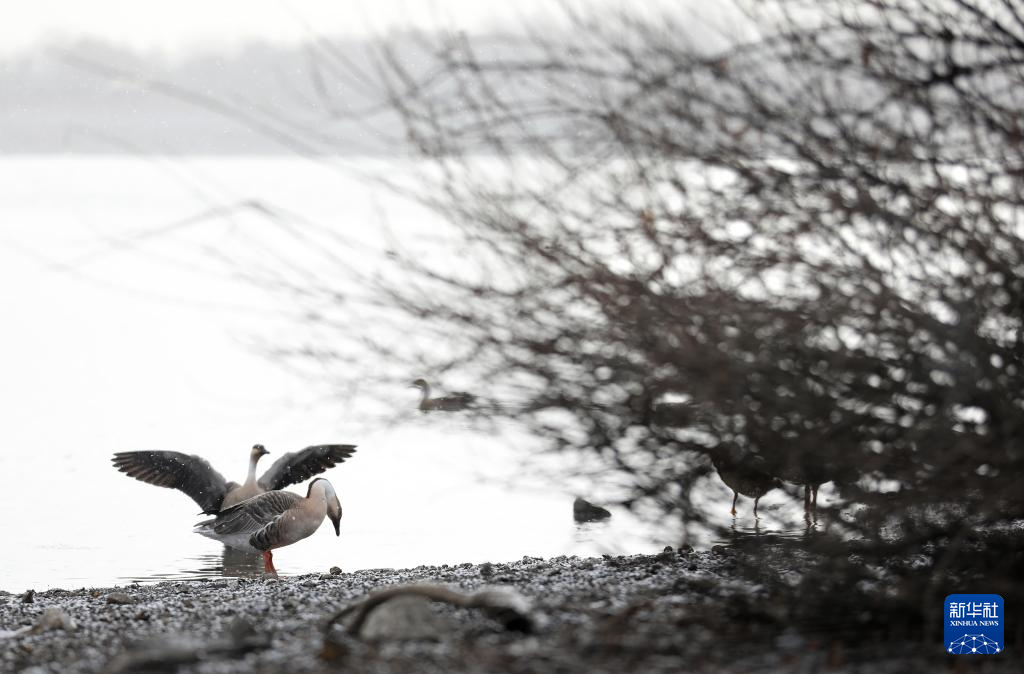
x=974, y=643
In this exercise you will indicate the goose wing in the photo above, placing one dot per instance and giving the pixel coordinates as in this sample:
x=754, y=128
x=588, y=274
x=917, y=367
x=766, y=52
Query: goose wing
x=253, y=514
x=174, y=470
x=295, y=467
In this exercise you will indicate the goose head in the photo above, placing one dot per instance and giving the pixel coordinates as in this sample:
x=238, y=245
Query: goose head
x=257, y=451
x=419, y=383
x=321, y=488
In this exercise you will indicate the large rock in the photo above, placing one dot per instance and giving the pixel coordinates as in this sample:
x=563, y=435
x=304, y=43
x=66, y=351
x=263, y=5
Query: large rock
x=406, y=618
x=585, y=511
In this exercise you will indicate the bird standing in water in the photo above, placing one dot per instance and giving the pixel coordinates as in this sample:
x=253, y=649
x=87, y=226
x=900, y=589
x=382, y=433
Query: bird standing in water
x=459, y=400
x=745, y=474
x=815, y=466
x=194, y=476
x=274, y=519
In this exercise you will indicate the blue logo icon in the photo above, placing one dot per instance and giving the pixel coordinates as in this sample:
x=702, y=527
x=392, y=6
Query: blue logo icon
x=974, y=624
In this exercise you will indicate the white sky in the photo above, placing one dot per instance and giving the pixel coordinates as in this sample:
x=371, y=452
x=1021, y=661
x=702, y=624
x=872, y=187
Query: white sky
x=174, y=25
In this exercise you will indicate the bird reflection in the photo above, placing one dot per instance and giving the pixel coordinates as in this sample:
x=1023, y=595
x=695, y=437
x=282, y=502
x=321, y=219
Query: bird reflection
x=739, y=536
x=231, y=563
x=241, y=564
x=746, y=531
x=588, y=532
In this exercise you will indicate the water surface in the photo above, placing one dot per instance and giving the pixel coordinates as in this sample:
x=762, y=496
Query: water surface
x=116, y=339
x=126, y=326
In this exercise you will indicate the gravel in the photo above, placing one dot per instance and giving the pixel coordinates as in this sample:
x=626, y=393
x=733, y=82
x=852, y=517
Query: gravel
x=674, y=611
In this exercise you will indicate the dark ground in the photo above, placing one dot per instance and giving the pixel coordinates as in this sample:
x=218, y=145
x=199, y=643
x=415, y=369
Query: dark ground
x=672, y=612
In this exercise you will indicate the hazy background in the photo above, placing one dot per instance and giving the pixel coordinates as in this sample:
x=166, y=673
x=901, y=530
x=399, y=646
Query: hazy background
x=120, y=78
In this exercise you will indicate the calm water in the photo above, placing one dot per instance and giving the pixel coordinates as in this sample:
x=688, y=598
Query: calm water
x=115, y=340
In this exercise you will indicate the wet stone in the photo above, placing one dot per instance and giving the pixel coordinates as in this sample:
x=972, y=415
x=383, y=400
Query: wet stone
x=405, y=618
x=120, y=598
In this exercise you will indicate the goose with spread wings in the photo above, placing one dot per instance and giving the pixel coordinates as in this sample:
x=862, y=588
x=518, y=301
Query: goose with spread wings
x=194, y=475
x=274, y=519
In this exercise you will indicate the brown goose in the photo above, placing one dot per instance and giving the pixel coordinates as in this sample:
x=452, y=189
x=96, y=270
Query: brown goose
x=274, y=519
x=197, y=478
x=458, y=400
x=744, y=474
x=810, y=468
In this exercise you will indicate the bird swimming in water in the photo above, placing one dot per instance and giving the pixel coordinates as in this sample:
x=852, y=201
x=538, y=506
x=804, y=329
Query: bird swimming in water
x=194, y=476
x=459, y=400
x=274, y=519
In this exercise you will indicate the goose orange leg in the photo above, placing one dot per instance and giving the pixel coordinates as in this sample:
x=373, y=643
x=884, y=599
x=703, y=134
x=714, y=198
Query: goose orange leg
x=268, y=562
x=735, y=495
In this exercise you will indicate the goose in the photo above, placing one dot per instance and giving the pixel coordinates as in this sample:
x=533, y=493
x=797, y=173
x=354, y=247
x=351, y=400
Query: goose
x=745, y=475
x=208, y=488
x=812, y=469
x=458, y=400
x=274, y=519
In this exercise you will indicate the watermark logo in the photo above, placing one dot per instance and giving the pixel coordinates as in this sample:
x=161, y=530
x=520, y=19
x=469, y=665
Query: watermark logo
x=974, y=624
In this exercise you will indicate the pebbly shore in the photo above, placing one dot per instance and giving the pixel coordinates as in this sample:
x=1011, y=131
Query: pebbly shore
x=675, y=611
